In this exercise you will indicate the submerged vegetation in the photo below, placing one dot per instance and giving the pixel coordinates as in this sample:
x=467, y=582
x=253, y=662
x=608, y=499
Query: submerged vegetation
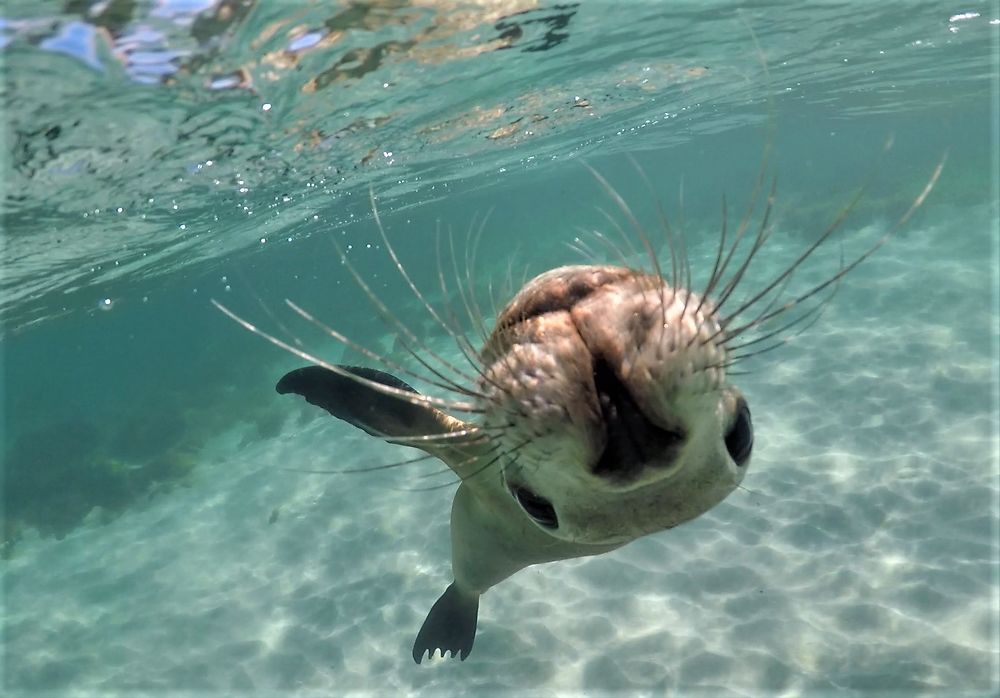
x=65, y=473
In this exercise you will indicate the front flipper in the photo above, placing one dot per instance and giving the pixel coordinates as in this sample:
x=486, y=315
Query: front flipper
x=379, y=414
x=393, y=417
x=451, y=625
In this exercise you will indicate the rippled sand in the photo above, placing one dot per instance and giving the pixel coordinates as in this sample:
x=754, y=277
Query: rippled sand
x=862, y=558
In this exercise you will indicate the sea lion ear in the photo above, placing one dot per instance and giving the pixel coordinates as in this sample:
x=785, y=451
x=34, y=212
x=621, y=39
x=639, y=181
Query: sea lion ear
x=377, y=413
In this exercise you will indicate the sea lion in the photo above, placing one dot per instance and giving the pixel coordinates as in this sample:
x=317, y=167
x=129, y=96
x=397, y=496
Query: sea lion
x=599, y=408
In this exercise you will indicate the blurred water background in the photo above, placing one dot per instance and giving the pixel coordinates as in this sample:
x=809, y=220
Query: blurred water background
x=161, y=154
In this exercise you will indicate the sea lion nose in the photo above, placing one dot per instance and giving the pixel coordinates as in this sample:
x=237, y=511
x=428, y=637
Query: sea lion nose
x=632, y=441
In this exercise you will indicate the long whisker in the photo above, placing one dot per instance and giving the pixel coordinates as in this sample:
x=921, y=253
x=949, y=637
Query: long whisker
x=720, y=270
x=463, y=293
x=644, y=239
x=917, y=202
x=410, y=338
x=412, y=398
x=465, y=346
x=374, y=356
x=671, y=245
x=494, y=448
x=713, y=279
x=471, y=260
x=468, y=294
x=267, y=310
x=413, y=288
x=490, y=463
x=458, y=434
x=775, y=298
x=745, y=221
x=620, y=255
x=814, y=313
x=479, y=472
x=369, y=469
x=583, y=249
x=758, y=242
x=633, y=221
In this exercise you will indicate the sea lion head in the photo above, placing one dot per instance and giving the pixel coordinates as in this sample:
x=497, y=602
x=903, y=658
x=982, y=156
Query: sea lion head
x=605, y=392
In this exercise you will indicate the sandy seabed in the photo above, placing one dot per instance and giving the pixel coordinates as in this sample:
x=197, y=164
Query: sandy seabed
x=863, y=558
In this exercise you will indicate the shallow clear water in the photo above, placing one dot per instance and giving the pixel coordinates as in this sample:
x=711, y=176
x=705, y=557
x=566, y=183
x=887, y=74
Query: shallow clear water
x=163, y=154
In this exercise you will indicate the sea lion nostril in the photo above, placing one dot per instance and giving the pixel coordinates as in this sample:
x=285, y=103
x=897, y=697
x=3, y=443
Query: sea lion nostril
x=739, y=438
x=633, y=441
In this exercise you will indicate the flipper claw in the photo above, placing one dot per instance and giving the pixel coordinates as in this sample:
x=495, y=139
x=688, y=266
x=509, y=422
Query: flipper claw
x=450, y=626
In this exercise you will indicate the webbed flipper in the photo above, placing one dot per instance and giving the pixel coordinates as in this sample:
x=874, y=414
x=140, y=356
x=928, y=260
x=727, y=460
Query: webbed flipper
x=450, y=625
x=392, y=415
x=379, y=414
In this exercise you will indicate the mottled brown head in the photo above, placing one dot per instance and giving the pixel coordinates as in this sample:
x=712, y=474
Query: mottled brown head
x=608, y=390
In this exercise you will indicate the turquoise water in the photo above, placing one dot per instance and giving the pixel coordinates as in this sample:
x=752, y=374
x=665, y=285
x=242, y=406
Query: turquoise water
x=160, y=155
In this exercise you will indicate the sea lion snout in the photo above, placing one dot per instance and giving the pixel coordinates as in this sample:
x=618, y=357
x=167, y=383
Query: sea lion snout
x=607, y=389
x=632, y=441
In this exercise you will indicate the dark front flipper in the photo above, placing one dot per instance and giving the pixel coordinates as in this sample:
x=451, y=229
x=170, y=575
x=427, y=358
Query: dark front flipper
x=378, y=413
x=451, y=625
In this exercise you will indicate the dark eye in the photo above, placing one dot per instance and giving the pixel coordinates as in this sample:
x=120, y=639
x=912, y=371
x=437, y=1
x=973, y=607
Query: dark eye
x=538, y=508
x=739, y=438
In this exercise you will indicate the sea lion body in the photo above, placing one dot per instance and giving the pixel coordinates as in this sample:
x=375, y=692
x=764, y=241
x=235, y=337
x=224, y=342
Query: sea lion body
x=601, y=410
x=605, y=416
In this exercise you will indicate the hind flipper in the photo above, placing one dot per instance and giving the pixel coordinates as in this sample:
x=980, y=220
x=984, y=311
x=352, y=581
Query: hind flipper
x=451, y=625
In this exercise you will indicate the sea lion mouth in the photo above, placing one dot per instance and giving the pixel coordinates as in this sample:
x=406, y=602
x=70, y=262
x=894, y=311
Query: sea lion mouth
x=632, y=440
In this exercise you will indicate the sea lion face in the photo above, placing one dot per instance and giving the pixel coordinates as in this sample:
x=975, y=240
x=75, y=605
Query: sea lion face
x=606, y=396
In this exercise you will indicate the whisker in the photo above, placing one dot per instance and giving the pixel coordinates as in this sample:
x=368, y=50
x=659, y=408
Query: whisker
x=714, y=279
x=633, y=221
x=471, y=259
x=758, y=242
x=413, y=287
x=458, y=434
x=374, y=356
x=369, y=469
x=462, y=342
x=471, y=308
x=510, y=452
x=444, y=471
x=463, y=294
x=733, y=360
x=747, y=489
x=761, y=175
x=668, y=231
x=583, y=249
x=917, y=202
x=412, y=398
x=489, y=464
x=685, y=257
x=644, y=239
x=267, y=310
x=410, y=338
x=465, y=346
x=815, y=313
x=776, y=296
x=615, y=250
